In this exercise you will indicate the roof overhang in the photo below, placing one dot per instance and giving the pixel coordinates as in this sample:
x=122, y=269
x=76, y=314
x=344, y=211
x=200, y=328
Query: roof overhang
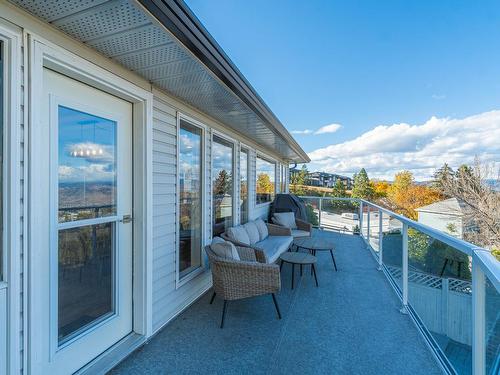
x=164, y=42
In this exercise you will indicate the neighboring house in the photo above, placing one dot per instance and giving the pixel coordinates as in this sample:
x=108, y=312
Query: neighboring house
x=446, y=216
x=117, y=118
x=323, y=179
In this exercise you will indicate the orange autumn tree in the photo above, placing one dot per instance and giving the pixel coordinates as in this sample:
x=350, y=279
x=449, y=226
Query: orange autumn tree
x=380, y=188
x=405, y=196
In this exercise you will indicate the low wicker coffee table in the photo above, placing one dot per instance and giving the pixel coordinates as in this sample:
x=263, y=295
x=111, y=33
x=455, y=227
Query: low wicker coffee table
x=302, y=259
x=313, y=244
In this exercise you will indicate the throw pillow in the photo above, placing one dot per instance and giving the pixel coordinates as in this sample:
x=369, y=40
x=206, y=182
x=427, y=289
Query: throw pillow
x=285, y=219
x=262, y=228
x=252, y=231
x=225, y=250
x=238, y=234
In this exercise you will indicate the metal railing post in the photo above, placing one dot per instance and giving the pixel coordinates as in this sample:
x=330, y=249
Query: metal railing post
x=361, y=218
x=478, y=320
x=368, y=228
x=404, y=309
x=380, y=239
x=320, y=209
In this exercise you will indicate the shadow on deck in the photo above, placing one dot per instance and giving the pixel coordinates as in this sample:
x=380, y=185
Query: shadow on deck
x=351, y=324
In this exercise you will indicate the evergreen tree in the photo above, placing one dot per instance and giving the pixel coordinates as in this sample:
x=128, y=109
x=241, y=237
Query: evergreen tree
x=442, y=177
x=339, y=190
x=362, y=187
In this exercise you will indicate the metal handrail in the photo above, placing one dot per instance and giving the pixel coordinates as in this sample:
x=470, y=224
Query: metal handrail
x=489, y=265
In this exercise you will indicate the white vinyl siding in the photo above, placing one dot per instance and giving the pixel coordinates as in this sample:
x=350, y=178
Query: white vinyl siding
x=167, y=300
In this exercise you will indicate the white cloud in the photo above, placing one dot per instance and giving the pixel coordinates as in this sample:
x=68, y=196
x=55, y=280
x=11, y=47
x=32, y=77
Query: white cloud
x=304, y=132
x=386, y=149
x=332, y=128
x=438, y=96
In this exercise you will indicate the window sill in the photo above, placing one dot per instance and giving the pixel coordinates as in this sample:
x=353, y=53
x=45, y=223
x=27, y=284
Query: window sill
x=190, y=276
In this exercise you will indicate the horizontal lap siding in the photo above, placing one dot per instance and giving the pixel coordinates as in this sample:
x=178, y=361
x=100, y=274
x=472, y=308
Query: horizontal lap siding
x=167, y=300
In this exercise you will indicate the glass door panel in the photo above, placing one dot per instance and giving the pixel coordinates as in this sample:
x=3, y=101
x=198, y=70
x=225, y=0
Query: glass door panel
x=87, y=184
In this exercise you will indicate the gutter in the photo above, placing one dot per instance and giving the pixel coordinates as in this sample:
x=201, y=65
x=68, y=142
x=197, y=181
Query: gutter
x=185, y=26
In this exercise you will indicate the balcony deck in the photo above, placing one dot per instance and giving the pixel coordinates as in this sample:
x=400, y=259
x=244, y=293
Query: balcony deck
x=351, y=324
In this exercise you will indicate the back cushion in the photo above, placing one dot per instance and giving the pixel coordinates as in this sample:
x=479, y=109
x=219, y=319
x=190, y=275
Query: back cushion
x=262, y=228
x=285, y=219
x=252, y=231
x=225, y=250
x=238, y=234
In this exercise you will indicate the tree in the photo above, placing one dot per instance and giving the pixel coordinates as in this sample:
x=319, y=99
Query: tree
x=404, y=196
x=298, y=180
x=380, y=188
x=442, y=176
x=481, y=213
x=362, y=188
x=339, y=190
x=264, y=184
x=222, y=183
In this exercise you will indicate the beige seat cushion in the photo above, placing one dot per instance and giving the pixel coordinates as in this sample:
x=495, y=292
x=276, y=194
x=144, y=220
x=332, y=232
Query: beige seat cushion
x=296, y=233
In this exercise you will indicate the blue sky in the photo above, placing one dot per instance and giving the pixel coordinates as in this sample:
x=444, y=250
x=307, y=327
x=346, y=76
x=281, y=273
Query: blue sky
x=413, y=67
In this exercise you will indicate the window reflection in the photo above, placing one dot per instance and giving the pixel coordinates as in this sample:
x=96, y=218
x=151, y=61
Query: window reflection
x=222, y=185
x=243, y=186
x=265, y=180
x=86, y=282
x=190, y=205
x=87, y=165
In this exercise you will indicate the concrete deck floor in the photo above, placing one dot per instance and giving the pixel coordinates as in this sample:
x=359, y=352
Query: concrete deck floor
x=351, y=324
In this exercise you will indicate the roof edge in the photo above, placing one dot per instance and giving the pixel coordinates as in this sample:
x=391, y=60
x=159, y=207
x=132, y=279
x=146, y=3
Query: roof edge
x=176, y=16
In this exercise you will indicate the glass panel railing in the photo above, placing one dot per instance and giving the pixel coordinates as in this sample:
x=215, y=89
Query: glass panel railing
x=440, y=292
x=492, y=344
x=364, y=221
x=374, y=230
x=312, y=210
x=392, y=248
x=340, y=215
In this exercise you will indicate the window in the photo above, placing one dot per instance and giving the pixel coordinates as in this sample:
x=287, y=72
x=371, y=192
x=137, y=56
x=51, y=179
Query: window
x=265, y=180
x=190, y=197
x=222, y=185
x=243, y=186
x=1, y=158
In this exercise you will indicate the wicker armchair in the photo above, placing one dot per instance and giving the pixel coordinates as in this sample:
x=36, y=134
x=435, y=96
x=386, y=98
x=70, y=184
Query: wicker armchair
x=238, y=279
x=304, y=225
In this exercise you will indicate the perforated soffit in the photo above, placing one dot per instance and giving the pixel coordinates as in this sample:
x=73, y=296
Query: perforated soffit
x=120, y=30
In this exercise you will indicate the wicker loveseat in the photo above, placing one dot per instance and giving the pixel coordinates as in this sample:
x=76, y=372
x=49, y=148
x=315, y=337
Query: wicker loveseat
x=268, y=241
x=237, y=279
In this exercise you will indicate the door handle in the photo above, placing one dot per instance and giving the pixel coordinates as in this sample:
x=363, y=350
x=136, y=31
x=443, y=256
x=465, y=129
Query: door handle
x=126, y=219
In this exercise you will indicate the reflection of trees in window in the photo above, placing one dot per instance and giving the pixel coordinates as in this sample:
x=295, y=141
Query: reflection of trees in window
x=243, y=186
x=265, y=181
x=222, y=185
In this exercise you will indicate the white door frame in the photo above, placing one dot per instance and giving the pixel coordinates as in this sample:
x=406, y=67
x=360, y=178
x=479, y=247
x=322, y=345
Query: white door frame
x=42, y=54
x=11, y=285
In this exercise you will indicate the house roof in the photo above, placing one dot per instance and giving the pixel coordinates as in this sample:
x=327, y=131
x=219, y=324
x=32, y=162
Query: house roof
x=164, y=42
x=450, y=206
